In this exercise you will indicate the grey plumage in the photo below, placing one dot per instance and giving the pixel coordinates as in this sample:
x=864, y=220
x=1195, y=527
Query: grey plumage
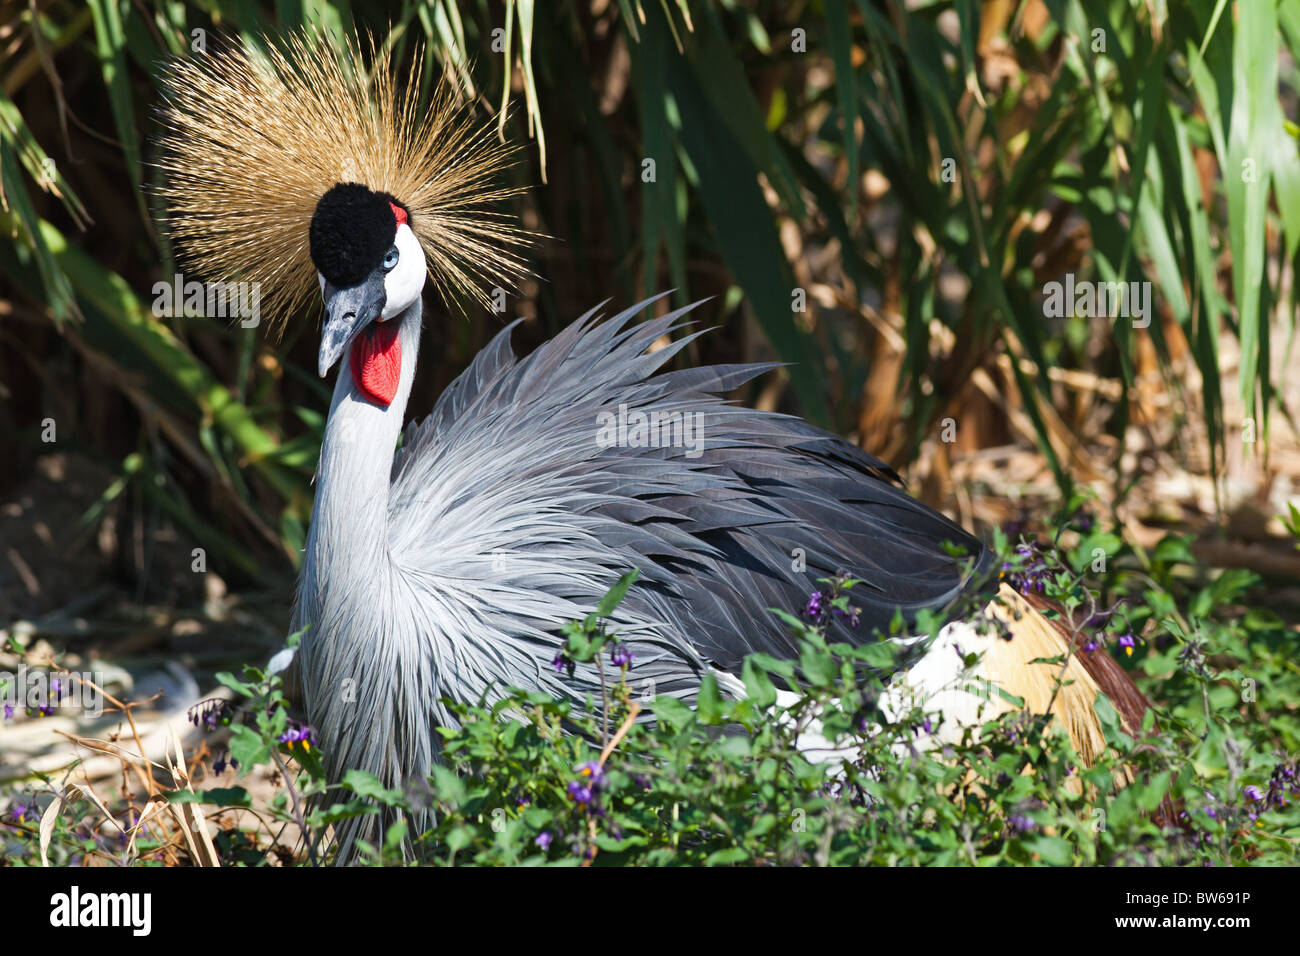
x=449, y=570
x=503, y=516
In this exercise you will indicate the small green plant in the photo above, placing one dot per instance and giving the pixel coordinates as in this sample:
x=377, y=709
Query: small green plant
x=648, y=780
x=260, y=732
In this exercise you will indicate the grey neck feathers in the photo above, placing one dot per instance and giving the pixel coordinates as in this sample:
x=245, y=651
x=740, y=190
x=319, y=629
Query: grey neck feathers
x=351, y=677
x=348, y=542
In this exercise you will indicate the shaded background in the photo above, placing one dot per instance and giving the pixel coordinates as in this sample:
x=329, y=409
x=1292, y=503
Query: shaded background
x=911, y=173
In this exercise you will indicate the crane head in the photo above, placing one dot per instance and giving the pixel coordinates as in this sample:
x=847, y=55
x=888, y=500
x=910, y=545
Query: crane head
x=329, y=137
x=371, y=269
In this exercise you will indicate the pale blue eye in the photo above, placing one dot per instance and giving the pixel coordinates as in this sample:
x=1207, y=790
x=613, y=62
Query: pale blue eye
x=390, y=260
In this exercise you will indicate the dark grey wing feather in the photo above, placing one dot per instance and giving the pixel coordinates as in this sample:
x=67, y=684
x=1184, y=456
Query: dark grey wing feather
x=747, y=519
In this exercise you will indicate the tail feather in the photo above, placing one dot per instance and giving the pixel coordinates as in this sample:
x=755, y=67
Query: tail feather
x=1113, y=680
x=1130, y=703
x=1030, y=666
x=1036, y=666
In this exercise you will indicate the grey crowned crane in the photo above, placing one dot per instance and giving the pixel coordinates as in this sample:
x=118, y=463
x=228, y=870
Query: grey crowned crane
x=447, y=568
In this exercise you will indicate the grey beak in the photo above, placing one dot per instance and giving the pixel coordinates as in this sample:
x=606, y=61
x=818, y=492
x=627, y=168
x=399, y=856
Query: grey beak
x=347, y=312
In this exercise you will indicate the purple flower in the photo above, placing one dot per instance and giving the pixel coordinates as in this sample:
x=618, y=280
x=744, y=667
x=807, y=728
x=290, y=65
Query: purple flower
x=1253, y=792
x=543, y=839
x=1020, y=823
x=1030, y=572
x=1283, y=783
x=591, y=780
x=853, y=614
x=9, y=711
x=582, y=794
x=298, y=733
x=562, y=664
x=620, y=654
x=814, y=610
x=1098, y=619
x=208, y=713
x=1127, y=642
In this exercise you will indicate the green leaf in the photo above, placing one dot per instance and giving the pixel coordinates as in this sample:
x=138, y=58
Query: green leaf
x=726, y=857
x=1210, y=759
x=1150, y=795
x=773, y=665
x=234, y=683
x=365, y=784
x=338, y=812
x=110, y=41
x=709, y=704
x=839, y=39
x=58, y=290
x=1251, y=130
x=220, y=796
x=747, y=238
x=154, y=343
x=672, y=711
x=1173, y=549
x=731, y=93
x=1086, y=551
x=249, y=748
x=659, y=217
x=459, y=838
x=449, y=785
x=758, y=686
x=818, y=667
x=614, y=596
x=1051, y=850
x=39, y=165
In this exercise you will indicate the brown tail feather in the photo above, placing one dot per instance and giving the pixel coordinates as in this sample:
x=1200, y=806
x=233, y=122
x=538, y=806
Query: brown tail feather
x=1022, y=667
x=1110, y=677
x=1113, y=681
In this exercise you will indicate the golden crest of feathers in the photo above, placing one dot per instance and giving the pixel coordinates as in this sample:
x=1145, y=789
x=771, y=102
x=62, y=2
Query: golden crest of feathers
x=252, y=141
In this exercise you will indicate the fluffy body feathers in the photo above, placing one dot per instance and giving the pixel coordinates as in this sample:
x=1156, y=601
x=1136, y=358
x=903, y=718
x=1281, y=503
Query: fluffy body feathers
x=503, y=517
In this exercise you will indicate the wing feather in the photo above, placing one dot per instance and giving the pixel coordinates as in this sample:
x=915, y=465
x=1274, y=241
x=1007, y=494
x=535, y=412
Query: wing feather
x=508, y=484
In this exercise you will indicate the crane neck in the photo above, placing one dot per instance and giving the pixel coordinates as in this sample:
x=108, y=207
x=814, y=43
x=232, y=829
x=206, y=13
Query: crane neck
x=349, y=525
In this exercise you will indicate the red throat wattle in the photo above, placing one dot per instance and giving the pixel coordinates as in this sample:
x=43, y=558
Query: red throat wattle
x=377, y=362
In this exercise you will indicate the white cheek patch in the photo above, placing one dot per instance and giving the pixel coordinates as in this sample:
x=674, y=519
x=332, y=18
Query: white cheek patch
x=404, y=284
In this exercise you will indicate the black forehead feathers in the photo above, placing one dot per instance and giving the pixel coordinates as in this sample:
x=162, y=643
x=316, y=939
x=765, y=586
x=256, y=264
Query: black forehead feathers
x=351, y=231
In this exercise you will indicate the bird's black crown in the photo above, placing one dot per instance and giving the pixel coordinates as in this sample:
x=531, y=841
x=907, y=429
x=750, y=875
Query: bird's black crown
x=351, y=230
